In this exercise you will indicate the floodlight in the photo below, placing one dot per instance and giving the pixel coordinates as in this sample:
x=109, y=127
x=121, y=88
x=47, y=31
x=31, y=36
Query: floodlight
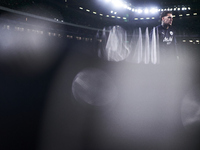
x=140, y=10
x=117, y=3
x=146, y=11
x=111, y=11
x=153, y=10
x=183, y=8
x=125, y=6
x=189, y=8
x=133, y=9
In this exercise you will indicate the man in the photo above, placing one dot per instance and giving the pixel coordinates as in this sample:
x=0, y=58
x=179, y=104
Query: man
x=166, y=36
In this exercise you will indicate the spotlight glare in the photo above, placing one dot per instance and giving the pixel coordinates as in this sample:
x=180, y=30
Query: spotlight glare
x=153, y=10
x=117, y=3
x=146, y=11
x=129, y=8
x=133, y=9
x=140, y=11
x=107, y=1
x=125, y=6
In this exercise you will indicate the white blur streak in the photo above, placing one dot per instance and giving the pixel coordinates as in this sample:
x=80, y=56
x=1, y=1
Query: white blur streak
x=154, y=48
x=137, y=57
x=147, y=48
x=116, y=48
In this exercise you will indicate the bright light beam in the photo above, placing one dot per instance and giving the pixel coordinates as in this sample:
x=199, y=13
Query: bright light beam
x=146, y=11
x=153, y=10
x=140, y=11
x=117, y=3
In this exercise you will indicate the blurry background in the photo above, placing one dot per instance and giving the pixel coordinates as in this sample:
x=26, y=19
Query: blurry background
x=59, y=90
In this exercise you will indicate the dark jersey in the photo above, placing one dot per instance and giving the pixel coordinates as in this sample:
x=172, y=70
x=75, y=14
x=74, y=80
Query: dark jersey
x=167, y=41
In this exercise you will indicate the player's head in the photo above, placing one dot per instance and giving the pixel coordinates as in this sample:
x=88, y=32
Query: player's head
x=167, y=18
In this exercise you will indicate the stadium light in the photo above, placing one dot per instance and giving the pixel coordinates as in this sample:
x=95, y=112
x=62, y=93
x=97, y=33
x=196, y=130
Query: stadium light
x=153, y=10
x=117, y=3
x=146, y=11
x=125, y=6
x=140, y=11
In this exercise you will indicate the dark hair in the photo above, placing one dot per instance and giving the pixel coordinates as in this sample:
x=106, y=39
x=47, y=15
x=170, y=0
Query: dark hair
x=164, y=13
